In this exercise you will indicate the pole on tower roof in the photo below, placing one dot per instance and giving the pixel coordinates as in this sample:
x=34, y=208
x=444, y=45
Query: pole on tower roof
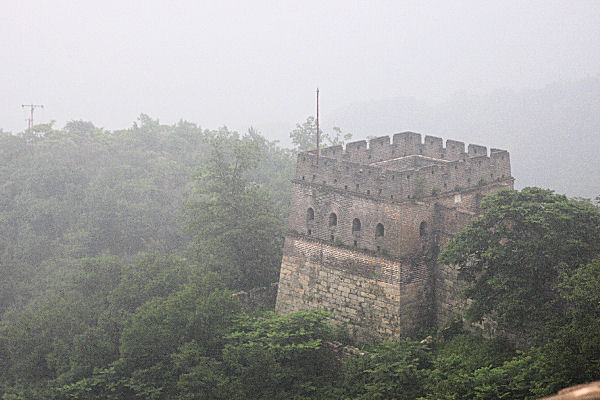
x=317, y=126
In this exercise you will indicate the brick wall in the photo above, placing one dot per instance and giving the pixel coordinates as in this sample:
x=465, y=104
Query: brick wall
x=372, y=296
x=328, y=214
x=378, y=181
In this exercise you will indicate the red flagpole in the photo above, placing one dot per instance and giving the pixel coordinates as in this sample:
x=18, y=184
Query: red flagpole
x=317, y=126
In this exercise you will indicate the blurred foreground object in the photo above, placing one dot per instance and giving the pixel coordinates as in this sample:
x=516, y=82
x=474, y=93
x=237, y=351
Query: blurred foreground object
x=587, y=391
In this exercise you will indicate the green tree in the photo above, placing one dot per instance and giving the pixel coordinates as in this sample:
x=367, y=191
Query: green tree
x=457, y=361
x=390, y=370
x=158, y=343
x=275, y=170
x=66, y=195
x=514, y=256
x=237, y=229
x=572, y=354
x=81, y=128
x=38, y=339
x=304, y=136
x=281, y=357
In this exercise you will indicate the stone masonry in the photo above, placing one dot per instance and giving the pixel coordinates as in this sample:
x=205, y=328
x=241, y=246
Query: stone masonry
x=367, y=222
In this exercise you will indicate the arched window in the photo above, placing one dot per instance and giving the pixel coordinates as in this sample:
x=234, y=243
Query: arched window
x=356, y=225
x=379, y=231
x=310, y=214
x=423, y=229
x=332, y=220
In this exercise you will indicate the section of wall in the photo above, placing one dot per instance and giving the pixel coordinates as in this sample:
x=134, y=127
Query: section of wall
x=371, y=296
x=449, y=302
x=314, y=207
x=379, y=179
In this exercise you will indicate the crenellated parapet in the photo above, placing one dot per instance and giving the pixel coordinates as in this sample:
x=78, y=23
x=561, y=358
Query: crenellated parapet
x=402, y=145
x=405, y=168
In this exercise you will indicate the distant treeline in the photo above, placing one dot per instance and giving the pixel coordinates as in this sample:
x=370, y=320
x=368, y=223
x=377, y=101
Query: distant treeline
x=120, y=252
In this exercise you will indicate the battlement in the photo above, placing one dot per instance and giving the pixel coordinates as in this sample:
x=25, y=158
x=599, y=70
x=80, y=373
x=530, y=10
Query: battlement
x=405, y=168
x=402, y=145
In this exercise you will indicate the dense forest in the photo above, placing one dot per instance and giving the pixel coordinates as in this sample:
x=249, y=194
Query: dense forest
x=120, y=252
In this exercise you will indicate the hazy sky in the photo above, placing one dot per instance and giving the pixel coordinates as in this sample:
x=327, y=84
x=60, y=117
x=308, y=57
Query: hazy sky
x=254, y=63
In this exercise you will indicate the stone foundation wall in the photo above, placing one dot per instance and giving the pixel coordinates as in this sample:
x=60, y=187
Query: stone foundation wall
x=258, y=298
x=448, y=294
x=373, y=297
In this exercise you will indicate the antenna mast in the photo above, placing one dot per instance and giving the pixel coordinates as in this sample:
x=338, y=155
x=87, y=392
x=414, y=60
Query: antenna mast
x=31, y=108
x=317, y=126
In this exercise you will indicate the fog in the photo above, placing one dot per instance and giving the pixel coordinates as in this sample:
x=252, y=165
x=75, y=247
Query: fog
x=245, y=64
x=552, y=133
x=152, y=245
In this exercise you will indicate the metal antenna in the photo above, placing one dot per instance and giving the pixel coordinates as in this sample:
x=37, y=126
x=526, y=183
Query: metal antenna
x=31, y=108
x=317, y=126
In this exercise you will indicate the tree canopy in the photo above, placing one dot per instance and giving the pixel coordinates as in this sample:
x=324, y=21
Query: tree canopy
x=519, y=253
x=304, y=136
x=237, y=229
x=120, y=252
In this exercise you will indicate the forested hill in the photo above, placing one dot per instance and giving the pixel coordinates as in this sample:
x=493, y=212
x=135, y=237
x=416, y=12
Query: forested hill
x=121, y=253
x=95, y=224
x=83, y=192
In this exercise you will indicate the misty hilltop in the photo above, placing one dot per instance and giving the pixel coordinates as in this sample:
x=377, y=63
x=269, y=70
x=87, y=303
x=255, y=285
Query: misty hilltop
x=552, y=133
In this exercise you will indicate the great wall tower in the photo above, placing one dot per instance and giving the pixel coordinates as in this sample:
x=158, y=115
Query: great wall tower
x=366, y=224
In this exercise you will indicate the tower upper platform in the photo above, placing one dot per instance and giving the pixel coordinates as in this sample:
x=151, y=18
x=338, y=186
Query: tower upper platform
x=407, y=167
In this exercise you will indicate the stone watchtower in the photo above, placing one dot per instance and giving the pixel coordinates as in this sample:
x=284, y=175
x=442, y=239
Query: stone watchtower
x=366, y=224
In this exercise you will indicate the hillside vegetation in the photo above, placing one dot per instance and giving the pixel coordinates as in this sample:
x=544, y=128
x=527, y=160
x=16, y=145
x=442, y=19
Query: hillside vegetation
x=120, y=252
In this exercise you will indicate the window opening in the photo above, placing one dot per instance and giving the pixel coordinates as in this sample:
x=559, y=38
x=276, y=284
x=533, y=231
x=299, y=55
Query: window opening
x=356, y=225
x=379, y=230
x=332, y=219
x=423, y=229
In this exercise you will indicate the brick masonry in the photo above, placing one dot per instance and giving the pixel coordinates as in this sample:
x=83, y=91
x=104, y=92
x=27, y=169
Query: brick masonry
x=366, y=223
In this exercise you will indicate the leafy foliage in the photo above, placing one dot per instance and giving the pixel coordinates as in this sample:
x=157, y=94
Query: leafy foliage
x=274, y=357
x=104, y=295
x=392, y=370
x=529, y=262
x=515, y=255
x=304, y=136
x=236, y=227
x=77, y=208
